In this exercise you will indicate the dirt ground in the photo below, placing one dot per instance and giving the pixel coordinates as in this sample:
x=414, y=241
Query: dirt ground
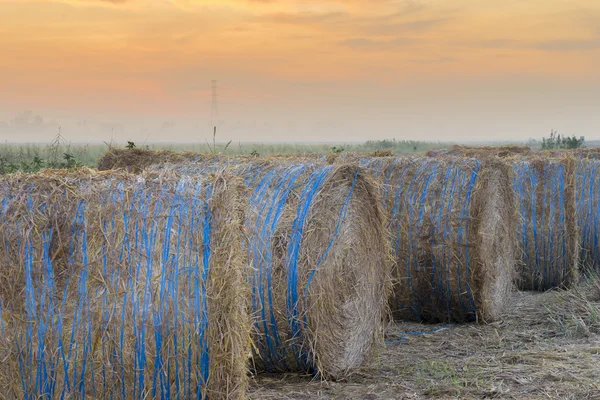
x=547, y=347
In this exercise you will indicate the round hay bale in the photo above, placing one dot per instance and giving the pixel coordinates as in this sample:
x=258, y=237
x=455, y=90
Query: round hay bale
x=588, y=213
x=452, y=225
x=320, y=256
x=549, y=235
x=155, y=301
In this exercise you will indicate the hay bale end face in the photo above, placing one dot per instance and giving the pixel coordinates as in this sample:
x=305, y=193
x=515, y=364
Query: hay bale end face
x=321, y=280
x=549, y=235
x=452, y=227
x=155, y=300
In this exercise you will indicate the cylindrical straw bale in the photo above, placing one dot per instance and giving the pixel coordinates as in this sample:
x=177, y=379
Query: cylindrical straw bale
x=320, y=255
x=321, y=262
x=549, y=235
x=452, y=225
x=154, y=304
x=588, y=213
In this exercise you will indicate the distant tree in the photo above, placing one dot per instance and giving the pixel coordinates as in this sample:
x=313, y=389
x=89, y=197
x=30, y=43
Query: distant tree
x=556, y=141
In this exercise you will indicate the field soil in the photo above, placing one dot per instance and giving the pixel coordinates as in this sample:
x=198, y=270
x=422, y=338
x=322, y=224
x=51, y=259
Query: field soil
x=547, y=347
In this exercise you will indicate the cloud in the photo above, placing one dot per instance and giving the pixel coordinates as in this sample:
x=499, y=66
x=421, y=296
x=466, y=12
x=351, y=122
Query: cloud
x=411, y=6
x=371, y=44
x=560, y=45
x=490, y=44
x=379, y=28
x=434, y=60
x=568, y=45
x=303, y=18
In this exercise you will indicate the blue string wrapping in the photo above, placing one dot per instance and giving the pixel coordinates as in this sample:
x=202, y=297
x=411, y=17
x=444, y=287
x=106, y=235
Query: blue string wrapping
x=549, y=236
x=131, y=317
x=429, y=208
x=279, y=207
x=588, y=212
x=280, y=283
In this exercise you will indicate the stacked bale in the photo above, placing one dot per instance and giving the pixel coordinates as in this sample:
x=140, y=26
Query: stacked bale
x=452, y=227
x=148, y=300
x=320, y=258
x=481, y=151
x=588, y=213
x=549, y=235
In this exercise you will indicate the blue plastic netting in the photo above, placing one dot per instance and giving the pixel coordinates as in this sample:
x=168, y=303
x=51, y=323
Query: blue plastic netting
x=131, y=319
x=588, y=211
x=540, y=190
x=428, y=204
x=288, y=189
x=271, y=191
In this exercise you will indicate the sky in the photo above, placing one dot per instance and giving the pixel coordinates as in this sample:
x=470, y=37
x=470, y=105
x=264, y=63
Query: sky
x=298, y=71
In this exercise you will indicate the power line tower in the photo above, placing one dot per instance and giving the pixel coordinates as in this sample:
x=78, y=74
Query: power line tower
x=214, y=111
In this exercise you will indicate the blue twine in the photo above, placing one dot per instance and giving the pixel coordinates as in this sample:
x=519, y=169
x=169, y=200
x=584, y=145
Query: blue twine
x=179, y=312
x=545, y=236
x=271, y=189
x=403, y=335
x=412, y=200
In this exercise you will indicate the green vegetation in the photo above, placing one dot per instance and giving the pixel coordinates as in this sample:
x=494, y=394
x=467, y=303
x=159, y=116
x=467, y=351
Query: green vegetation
x=556, y=141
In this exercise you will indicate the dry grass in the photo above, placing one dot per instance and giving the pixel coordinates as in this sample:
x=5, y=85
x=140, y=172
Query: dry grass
x=481, y=151
x=528, y=355
x=136, y=160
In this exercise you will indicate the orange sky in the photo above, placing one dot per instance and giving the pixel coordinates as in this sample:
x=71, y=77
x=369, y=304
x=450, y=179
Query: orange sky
x=317, y=70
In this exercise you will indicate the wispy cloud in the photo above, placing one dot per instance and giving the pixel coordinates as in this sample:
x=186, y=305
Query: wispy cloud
x=489, y=44
x=302, y=18
x=568, y=45
x=367, y=44
x=434, y=60
x=558, y=45
x=394, y=28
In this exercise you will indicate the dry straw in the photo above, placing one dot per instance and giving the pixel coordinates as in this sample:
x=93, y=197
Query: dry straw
x=136, y=160
x=545, y=190
x=482, y=151
x=320, y=258
x=452, y=225
x=142, y=294
x=317, y=243
x=588, y=213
